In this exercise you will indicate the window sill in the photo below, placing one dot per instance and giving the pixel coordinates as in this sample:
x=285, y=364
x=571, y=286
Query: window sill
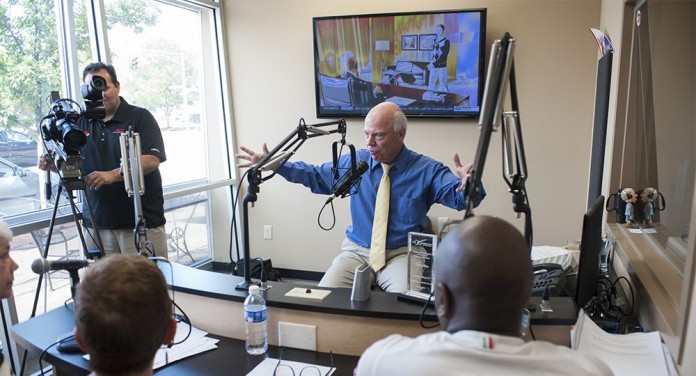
x=656, y=273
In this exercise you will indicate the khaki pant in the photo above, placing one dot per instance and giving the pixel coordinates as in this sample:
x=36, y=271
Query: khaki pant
x=123, y=241
x=392, y=278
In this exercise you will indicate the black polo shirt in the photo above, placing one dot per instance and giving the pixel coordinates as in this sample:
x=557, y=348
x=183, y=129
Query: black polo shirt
x=111, y=206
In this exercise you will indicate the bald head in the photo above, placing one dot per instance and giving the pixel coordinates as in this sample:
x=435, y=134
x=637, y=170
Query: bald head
x=385, y=130
x=483, y=277
x=390, y=114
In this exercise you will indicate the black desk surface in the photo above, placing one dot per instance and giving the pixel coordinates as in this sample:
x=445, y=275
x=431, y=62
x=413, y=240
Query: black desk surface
x=230, y=358
x=380, y=305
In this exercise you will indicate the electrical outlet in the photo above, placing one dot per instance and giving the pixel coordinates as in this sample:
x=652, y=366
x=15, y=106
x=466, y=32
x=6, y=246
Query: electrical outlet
x=298, y=336
x=267, y=232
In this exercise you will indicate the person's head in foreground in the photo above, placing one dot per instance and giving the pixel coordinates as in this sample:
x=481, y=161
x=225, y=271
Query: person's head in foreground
x=483, y=277
x=7, y=264
x=123, y=315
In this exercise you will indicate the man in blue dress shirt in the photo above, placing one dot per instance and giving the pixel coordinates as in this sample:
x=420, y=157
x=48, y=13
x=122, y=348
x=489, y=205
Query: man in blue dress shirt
x=417, y=182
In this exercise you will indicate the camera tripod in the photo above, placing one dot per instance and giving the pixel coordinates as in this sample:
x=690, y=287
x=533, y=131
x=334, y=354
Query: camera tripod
x=70, y=185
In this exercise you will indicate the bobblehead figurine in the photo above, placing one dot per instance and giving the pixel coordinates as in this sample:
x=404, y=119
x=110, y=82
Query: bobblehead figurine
x=630, y=197
x=648, y=197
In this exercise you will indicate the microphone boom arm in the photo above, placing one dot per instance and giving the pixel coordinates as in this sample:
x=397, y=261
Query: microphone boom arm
x=501, y=70
x=288, y=146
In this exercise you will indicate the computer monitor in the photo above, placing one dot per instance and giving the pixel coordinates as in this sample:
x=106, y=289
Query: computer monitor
x=590, y=252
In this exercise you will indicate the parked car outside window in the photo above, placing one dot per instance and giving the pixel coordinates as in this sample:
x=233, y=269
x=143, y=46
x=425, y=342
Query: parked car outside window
x=19, y=189
x=18, y=148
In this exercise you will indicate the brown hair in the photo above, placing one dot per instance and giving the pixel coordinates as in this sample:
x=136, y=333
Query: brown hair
x=122, y=309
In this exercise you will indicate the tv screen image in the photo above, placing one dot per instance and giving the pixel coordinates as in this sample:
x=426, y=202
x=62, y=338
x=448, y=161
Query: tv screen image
x=429, y=63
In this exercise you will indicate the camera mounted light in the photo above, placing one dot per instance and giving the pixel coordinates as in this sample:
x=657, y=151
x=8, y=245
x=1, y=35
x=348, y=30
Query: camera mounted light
x=92, y=92
x=94, y=98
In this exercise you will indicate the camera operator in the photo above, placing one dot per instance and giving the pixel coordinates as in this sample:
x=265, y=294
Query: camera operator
x=113, y=209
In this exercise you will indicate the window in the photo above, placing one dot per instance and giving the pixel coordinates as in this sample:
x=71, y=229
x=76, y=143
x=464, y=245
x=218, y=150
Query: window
x=653, y=147
x=169, y=59
x=160, y=67
x=30, y=45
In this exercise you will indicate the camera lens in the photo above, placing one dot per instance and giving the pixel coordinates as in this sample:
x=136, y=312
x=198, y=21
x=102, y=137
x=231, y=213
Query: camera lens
x=74, y=138
x=99, y=83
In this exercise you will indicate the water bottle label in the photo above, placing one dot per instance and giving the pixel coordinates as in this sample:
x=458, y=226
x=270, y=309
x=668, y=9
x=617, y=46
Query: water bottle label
x=255, y=316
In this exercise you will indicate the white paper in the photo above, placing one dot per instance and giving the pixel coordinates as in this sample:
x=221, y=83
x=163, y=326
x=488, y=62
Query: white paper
x=642, y=231
x=567, y=258
x=196, y=343
x=268, y=366
x=625, y=354
x=545, y=251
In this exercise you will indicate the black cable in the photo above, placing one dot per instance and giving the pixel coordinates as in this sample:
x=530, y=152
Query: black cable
x=184, y=319
x=179, y=318
x=60, y=341
x=262, y=275
x=233, y=224
x=335, y=169
x=66, y=304
x=602, y=305
x=531, y=332
x=630, y=288
x=422, y=314
x=333, y=212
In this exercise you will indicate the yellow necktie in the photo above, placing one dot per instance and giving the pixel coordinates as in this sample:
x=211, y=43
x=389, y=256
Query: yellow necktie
x=379, y=224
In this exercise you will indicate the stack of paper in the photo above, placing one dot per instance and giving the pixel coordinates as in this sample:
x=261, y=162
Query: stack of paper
x=625, y=354
x=196, y=343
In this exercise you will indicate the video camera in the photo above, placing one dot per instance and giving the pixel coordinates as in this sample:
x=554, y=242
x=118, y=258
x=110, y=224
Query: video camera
x=63, y=128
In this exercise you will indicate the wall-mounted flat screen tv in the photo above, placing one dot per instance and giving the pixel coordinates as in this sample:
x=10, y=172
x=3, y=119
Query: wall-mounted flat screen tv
x=429, y=63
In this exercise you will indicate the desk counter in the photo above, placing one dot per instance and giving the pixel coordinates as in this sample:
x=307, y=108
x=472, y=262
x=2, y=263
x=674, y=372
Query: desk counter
x=230, y=358
x=342, y=325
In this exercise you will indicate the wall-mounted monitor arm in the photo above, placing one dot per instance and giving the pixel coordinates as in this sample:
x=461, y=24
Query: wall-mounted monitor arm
x=500, y=71
x=275, y=158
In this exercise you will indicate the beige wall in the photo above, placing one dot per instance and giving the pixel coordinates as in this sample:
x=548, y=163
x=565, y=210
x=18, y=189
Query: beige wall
x=271, y=58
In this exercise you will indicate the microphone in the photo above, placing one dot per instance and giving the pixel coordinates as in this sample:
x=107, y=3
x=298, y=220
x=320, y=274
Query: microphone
x=41, y=265
x=348, y=180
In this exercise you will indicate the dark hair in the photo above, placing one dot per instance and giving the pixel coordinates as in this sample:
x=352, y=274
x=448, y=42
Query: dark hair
x=94, y=67
x=122, y=311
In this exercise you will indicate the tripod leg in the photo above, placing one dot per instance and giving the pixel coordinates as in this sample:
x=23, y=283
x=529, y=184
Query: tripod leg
x=98, y=239
x=45, y=252
x=40, y=280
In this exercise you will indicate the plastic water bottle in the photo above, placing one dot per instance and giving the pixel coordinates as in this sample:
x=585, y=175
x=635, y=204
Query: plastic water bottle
x=255, y=322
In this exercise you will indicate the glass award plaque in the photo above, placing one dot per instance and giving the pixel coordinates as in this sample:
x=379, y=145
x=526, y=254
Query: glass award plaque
x=421, y=253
